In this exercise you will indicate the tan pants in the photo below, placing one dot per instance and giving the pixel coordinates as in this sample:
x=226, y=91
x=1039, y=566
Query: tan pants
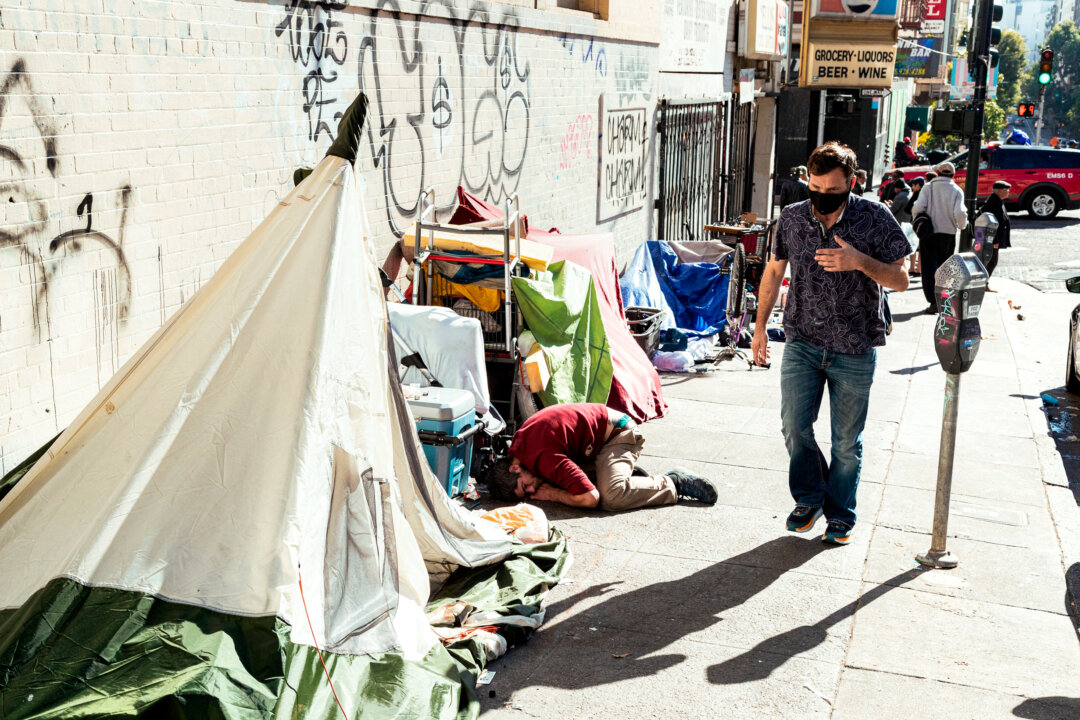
x=619, y=488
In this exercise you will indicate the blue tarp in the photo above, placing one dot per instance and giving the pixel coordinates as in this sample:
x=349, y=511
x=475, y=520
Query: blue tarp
x=641, y=288
x=695, y=293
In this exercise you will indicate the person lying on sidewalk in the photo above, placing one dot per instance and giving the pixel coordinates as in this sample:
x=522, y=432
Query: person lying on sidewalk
x=550, y=451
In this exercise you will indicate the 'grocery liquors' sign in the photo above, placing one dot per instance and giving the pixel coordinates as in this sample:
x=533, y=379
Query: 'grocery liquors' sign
x=831, y=65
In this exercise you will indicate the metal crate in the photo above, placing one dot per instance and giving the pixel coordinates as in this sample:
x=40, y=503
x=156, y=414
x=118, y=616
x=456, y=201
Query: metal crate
x=492, y=323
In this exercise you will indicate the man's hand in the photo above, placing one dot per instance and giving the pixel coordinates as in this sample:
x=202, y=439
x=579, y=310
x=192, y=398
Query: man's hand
x=841, y=259
x=760, y=347
x=544, y=492
x=551, y=493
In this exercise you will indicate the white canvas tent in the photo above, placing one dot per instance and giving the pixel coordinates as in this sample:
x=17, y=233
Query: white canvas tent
x=257, y=440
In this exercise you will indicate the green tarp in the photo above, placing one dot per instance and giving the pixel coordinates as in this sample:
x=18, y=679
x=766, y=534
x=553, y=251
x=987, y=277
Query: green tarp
x=561, y=309
x=73, y=651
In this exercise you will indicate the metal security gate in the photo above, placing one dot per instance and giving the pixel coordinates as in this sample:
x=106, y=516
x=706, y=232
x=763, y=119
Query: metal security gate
x=691, y=157
x=739, y=185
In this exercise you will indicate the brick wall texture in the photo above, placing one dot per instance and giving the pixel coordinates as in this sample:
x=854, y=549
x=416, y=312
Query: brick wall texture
x=141, y=141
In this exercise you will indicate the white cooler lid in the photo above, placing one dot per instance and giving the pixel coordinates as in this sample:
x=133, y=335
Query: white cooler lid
x=434, y=403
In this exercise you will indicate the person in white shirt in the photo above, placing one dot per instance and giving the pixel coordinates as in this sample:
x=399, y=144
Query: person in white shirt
x=943, y=201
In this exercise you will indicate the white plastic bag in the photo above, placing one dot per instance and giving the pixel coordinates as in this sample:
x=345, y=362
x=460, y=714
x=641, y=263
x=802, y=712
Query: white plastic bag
x=527, y=523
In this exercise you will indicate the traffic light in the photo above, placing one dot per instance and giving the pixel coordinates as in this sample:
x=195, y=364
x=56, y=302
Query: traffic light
x=985, y=36
x=1046, y=66
x=997, y=11
x=1026, y=109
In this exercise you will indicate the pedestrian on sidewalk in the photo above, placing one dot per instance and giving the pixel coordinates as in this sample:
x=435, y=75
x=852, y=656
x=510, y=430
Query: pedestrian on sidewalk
x=888, y=189
x=995, y=205
x=913, y=259
x=860, y=183
x=943, y=201
x=900, y=200
x=842, y=249
x=552, y=450
x=793, y=189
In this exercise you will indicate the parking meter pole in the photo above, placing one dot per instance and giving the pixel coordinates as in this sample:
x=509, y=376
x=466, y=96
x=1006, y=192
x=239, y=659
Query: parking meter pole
x=938, y=556
x=959, y=286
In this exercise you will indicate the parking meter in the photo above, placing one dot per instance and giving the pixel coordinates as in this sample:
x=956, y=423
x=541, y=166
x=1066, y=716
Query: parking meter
x=982, y=236
x=959, y=284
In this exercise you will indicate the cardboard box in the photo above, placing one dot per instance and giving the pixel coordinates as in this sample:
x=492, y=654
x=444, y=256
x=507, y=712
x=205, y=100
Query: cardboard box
x=536, y=371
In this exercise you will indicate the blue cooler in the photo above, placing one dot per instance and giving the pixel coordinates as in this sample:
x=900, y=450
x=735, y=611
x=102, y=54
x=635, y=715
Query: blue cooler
x=446, y=422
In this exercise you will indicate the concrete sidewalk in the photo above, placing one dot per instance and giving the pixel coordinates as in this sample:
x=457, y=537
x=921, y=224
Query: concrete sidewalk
x=694, y=612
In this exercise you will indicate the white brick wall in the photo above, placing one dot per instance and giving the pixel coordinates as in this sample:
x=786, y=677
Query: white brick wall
x=141, y=141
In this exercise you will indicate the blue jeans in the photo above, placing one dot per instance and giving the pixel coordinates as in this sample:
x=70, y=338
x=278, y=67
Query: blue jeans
x=803, y=375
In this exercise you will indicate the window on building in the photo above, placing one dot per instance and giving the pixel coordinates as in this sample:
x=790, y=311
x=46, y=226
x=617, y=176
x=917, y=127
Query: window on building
x=599, y=8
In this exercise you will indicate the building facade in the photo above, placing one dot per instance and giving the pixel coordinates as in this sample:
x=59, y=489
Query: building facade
x=141, y=143
x=147, y=142
x=1033, y=19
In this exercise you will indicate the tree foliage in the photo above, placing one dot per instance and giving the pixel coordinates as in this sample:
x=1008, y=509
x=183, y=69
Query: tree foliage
x=1013, y=52
x=993, y=121
x=1063, y=92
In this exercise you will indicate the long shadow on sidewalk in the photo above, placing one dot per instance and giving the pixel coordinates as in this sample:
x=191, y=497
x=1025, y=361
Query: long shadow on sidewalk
x=1049, y=708
x=648, y=619
x=760, y=661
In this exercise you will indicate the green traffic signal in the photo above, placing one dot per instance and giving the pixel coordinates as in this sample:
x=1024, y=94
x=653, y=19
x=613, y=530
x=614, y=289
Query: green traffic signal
x=1046, y=66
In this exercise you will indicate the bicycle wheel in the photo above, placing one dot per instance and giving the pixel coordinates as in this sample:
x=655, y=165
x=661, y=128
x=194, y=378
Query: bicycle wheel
x=736, y=297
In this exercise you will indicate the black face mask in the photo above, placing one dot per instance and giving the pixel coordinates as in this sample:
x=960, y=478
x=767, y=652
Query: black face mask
x=828, y=203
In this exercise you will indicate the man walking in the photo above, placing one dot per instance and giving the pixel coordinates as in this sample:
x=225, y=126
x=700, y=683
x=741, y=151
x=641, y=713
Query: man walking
x=842, y=250
x=995, y=205
x=943, y=200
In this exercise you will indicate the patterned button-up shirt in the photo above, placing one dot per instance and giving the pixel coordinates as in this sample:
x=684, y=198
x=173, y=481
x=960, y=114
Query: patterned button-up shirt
x=838, y=311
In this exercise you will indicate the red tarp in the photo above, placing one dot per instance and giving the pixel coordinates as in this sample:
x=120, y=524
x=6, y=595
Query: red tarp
x=635, y=388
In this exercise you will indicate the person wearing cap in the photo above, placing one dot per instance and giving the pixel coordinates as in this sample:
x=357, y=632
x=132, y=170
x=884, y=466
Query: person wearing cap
x=943, y=201
x=905, y=155
x=995, y=205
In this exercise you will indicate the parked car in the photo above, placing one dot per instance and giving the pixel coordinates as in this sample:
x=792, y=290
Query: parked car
x=1044, y=180
x=1072, y=363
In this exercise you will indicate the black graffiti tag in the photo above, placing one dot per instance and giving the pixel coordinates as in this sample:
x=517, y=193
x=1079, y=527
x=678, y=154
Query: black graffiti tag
x=317, y=42
x=24, y=225
x=492, y=125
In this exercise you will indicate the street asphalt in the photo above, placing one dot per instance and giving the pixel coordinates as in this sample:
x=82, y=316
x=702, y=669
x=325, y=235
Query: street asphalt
x=695, y=612
x=1041, y=247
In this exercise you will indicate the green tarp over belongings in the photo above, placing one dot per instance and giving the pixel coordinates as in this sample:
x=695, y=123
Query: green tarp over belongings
x=247, y=491
x=74, y=651
x=562, y=311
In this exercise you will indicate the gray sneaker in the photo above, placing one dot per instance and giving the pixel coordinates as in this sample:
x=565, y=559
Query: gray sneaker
x=689, y=486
